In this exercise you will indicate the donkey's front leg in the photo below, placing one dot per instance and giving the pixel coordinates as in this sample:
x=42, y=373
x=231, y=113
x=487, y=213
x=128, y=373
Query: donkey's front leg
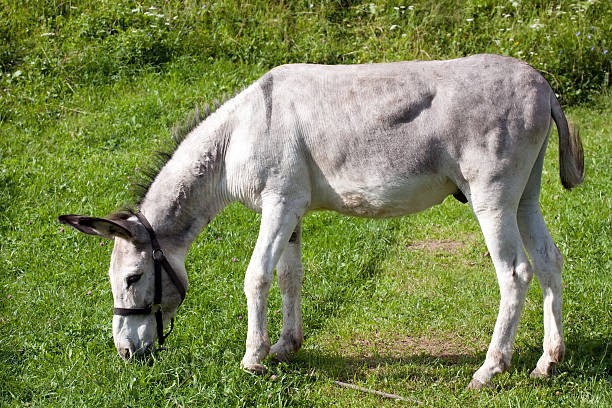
x=280, y=216
x=290, y=272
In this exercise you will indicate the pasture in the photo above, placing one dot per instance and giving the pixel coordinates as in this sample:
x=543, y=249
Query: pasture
x=404, y=306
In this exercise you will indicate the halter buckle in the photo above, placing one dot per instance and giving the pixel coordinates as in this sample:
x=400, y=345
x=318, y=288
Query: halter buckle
x=158, y=254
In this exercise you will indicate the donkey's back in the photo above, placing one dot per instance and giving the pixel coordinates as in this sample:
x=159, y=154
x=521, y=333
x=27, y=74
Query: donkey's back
x=383, y=140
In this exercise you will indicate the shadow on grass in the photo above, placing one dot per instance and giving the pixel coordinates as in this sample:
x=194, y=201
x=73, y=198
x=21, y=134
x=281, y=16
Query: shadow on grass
x=586, y=357
x=418, y=367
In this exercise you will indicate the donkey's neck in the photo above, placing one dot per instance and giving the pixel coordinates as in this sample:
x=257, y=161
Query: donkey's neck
x=187, y=192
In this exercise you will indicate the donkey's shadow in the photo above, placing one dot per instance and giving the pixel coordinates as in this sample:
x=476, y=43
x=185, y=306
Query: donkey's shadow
x=418, y=367
x=584, y=355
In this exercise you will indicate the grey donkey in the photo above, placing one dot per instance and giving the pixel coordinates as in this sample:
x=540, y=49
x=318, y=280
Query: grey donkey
x=374, y=140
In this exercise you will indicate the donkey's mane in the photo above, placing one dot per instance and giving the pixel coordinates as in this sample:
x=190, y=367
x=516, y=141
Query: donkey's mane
x=179, y=132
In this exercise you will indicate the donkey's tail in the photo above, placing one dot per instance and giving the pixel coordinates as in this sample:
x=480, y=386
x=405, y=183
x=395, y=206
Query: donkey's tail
x=571, y=155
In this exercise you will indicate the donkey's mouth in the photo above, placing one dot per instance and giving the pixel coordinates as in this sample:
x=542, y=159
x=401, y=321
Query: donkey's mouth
x=131, y=353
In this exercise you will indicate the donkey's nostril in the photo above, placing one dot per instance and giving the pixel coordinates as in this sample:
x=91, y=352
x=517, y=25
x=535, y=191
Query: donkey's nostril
x=125, y=353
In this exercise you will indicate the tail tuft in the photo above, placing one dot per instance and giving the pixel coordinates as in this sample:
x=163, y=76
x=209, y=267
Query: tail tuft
x=571, y=160
x=571, y=155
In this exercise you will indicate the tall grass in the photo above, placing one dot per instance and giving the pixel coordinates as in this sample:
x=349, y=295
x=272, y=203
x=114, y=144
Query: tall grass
x=49, y=49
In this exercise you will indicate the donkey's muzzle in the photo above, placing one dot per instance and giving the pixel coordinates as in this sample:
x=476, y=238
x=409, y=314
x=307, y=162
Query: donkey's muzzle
x=128, y=353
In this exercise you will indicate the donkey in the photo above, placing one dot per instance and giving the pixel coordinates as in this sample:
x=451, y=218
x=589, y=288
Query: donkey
x=375, y=140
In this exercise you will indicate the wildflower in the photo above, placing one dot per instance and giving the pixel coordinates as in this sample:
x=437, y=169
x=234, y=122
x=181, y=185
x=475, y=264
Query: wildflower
x=62, y=229
x=101, y=243
x=589, y=36
x=605, y=52
x=29, y=222
x=234, y=260
x=592, y=48
x=537, y=25
x=469, y=19
x=393, y=27
x=240, y=317
x=89, y=292
x=560, y=52
x=9, y=297
x=577, y=33
x=323, y=41
x=273, y=377
x=219, y=239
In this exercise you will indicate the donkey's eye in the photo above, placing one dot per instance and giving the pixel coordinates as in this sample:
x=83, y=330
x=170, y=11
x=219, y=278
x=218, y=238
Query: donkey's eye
x=132, y=279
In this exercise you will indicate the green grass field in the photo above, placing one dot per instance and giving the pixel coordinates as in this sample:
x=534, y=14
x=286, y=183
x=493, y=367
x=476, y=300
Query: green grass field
x=405, y=306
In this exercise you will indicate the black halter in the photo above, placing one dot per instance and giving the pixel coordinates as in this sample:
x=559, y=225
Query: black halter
x=159, y=261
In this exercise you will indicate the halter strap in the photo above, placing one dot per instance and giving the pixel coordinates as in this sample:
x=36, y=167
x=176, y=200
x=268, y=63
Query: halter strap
x=159, y=257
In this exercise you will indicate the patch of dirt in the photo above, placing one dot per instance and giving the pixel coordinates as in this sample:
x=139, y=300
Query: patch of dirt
x=448, y=346
x=445, y=245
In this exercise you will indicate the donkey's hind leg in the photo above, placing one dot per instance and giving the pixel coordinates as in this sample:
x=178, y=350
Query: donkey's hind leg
x=497, y=219
x=280, y=216
x=289, y=272
x=547, y=264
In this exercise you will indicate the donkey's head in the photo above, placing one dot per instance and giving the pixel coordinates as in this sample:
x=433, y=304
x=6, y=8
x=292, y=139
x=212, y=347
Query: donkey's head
x=148, y=285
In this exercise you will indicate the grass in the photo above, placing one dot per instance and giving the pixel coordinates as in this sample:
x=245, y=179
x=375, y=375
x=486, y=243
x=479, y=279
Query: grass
x=405, y=306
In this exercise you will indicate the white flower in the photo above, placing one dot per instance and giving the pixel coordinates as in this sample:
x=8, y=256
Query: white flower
x=536, y=24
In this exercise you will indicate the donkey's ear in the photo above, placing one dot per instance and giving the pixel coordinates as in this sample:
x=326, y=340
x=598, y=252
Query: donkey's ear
x=116, y=225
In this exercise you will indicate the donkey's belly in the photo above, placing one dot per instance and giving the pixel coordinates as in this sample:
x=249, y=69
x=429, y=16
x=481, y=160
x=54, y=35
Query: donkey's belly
x=387, y=198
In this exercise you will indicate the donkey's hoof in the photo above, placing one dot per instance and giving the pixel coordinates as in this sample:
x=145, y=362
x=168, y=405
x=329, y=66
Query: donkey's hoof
x=550, y=371
x=478, y=385
x=279, y=357
x=254, y=368
x=280, y=352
